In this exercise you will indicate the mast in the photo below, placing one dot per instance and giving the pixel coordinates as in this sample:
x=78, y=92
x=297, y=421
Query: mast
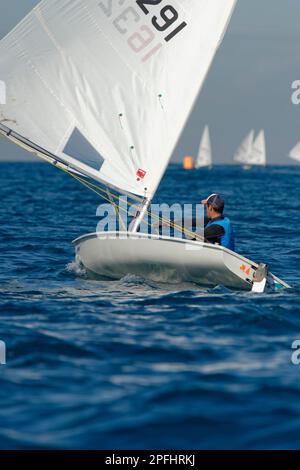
x=136, y=223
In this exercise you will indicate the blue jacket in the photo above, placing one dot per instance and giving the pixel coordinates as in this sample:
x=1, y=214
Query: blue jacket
x=227, y=240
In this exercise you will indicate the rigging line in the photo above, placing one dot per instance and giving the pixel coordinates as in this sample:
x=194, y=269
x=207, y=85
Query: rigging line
x=117, y=210
x=112, y=196
x=88, y=185
x=173, y=225
x=108, y=199
x=168, y=222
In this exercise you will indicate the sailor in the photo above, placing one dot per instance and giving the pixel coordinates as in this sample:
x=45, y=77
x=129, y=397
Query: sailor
x=218, y=229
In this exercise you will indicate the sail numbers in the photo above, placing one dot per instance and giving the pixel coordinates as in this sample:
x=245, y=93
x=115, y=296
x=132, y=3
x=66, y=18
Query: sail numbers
x=143, y=38
x=168, y=16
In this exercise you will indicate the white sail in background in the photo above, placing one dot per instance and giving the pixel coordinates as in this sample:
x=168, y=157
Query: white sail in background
x=258, y=155
x=295, y=153
x=108, y=86
x=205, y=154
x=243, y=153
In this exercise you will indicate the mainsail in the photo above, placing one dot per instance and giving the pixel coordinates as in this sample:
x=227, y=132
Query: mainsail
x=243, y=153
x=205, y=154
x=107, y=86
x=295, y=153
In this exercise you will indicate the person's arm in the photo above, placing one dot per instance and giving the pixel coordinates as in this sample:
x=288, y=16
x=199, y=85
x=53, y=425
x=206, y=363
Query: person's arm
x=194, y=221
x=214, y=233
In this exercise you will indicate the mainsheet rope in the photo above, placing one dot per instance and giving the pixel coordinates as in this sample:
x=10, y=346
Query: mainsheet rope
x=110, y=196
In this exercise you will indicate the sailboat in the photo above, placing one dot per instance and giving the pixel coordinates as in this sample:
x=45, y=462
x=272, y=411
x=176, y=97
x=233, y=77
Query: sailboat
x=204, y=159
x=243, y=153
x=252, y=151
x=259, y=154
x=295, y=153
x=102, y=91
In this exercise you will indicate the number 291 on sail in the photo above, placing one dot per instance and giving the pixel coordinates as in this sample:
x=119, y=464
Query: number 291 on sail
x=168, y=16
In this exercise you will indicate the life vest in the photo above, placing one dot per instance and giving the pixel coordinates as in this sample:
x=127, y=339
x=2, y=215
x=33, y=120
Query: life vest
x=228, y=238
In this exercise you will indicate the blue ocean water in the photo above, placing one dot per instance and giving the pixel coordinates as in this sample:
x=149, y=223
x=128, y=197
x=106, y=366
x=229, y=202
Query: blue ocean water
x=131, y=364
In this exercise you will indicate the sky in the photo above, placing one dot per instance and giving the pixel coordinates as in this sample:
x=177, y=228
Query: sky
x=248, y=86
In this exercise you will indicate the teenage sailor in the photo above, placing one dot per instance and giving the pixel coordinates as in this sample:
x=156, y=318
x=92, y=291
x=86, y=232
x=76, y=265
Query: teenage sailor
x=218, y=228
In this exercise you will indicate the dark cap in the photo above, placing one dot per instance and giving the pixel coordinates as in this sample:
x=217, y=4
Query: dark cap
x=216, y=201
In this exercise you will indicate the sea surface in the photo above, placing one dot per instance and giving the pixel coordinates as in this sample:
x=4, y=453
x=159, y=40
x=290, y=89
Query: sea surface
x=132, y=364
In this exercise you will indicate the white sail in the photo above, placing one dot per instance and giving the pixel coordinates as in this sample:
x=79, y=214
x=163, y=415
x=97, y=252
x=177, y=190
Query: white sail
x=243, y=153
x=295, y=153
x=258, y=155
x=205, y=154
x=107, y=86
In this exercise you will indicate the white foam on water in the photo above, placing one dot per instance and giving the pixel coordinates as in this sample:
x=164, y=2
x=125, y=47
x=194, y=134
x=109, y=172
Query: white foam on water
x=75, y=267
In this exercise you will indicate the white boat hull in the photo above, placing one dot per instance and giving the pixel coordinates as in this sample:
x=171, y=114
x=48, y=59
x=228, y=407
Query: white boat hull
x=164, y=259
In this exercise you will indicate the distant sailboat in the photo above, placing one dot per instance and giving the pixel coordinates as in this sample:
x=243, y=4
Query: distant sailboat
x=259, y=154
x=243, y=153
x=205, y=154
x=252, y=152
x=295, y=153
